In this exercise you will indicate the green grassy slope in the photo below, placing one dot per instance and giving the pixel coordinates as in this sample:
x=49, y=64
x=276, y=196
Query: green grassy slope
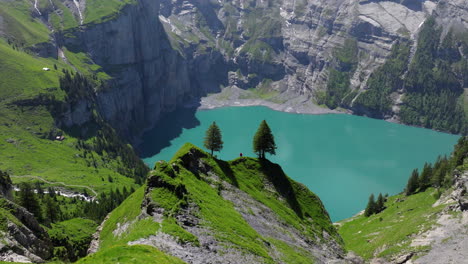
x=19, y=26
x=98, y=11
x=130, y=255
x=72, y=237
x=293, y=204
x=391, y=231
x=25, y=150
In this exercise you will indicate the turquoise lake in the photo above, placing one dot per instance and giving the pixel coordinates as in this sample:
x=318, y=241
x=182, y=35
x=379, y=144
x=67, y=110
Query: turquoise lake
x=342, y=158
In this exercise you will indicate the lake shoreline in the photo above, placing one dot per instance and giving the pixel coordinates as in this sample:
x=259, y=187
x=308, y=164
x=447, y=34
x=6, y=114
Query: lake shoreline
x=236, y=97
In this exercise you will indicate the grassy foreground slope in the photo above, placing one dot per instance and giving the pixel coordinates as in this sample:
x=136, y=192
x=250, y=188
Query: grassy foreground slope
x=27, y=92
x=391, y=231
x=199, y=202
x=417, y=222
x=130, y=255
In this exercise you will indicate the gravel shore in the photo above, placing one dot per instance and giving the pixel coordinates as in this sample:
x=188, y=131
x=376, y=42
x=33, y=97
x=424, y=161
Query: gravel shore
x=234, y=96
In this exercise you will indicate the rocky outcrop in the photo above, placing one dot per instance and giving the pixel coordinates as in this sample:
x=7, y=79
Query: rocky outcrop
x=194, y=171
x=149, y=77
x=22, y=238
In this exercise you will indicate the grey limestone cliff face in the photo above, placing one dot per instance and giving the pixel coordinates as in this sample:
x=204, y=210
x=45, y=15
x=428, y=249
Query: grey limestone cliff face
x=299, y=37
x=149, y=76
x=291, y=45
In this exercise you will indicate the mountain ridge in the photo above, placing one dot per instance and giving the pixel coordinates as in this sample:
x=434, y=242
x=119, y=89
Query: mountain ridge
x=190, y=197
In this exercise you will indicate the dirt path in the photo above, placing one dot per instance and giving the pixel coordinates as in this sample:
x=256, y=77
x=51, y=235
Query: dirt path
x=58, y=183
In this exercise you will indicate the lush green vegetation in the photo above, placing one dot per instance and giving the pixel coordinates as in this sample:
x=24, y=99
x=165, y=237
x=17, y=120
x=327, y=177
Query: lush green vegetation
x=343, y=66
x=172, y=187
x=20, y=28
x=384, y=81
x=128, y=211
x=130, y=255
x=71, y=238
x=61, y=18
x=433, y=88
x=98, y=11
x=32, y=101
x=29, y=108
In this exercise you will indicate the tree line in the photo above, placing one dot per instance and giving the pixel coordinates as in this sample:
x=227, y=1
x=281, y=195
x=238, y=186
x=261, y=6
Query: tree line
x=263, y=140
x=48, y=206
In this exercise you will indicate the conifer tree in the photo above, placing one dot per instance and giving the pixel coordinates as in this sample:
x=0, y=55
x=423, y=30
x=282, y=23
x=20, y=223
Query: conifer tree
x=264, y=141
x=28, y=200
x=413, y=183
x=371, y=206
x=425, y=177
x=213, y=139
x=439, y=171
x=52, y=210
x=380, y=203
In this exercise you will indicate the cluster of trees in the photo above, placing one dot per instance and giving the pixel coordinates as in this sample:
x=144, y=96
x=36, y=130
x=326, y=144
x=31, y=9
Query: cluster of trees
x=263, y=141
x=438, y=175
x=375, y=207
x=383, y=81
x=343, y=66
x=49, y=207
x=105, y=203
x=76, y=86
x=435, y=81
x=44, y=204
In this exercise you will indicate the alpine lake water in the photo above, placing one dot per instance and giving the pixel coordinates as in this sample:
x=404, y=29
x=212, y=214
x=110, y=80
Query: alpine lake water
x=342, y=158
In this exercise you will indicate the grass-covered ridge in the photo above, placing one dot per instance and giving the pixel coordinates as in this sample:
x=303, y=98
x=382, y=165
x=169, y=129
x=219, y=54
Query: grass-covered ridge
x=391, y=231
x=196, y=187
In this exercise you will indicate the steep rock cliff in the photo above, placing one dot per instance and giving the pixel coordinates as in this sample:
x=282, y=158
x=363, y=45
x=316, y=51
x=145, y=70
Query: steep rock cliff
x=302, y=48
x=148, y=76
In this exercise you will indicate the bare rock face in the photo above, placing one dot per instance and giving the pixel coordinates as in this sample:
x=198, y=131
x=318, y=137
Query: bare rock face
x=23, y=239
x=297, y=38
x=149, y=77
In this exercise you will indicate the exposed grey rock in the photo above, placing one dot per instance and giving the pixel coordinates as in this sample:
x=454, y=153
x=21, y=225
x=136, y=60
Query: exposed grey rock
x=27, y=239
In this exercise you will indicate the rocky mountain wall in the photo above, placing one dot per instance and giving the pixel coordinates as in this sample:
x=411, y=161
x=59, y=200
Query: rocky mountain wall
x=149, y=76
x=291, y=48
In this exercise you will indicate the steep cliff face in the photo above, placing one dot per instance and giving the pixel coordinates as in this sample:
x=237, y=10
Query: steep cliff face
x=324, y=51
x=149, y=77
x=293, y=42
